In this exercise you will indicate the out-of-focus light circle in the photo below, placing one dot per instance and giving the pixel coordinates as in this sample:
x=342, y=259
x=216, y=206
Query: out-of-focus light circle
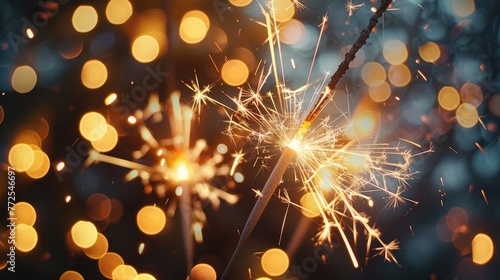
x=21, y=157
x=145, y=48
x=245, y=55
x=309, y=205
x=203, y=271
x=399, y=75
x=151, y=220
x=144, y=276
x=467, y=115
x=29, y=137
x=238, y=177
x=108, y=140
x=40, y=166
x=108, y=263
x=240, y=3
x=292, y=32
x=380, y=93
x=23, y=79
x=124, y=272
x=282, y=10
x=93, y=126
x=25, y=213
x=395, y=52
x=84, y=18
x=26, y=237
x=448, y=98
x=98, y=249
x=364, y=124
x=222, y=149
x=234, y=72
x=482, y=249
x=43, y=129
x=71, y=275
x=472, y=94
x=84, y=234
x=98, y=206
x=373, y=74
x=494, y=104
x=94, y=74
x=274, y=262
x=463, y=8
x=118, y=11
x=194, y=26
x=429, y=52
x=216, y=40
x=2, y=114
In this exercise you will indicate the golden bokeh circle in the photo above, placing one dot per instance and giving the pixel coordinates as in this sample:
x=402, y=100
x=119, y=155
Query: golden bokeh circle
x=124, y=272
x=98, y=249
x=203, y=271
x=23, y=79
x=21, y=157
x=380, y=93
x=94, y=74
x=26, y=237
x=448, y=98
x=467, y=115
x=71, y=275
x=93, y=126
x=25, y=213
x=373, y=74
x=84, y=234
x=84, y=18
x=235, y=72
x=274, y=262
x=119, y=11
x=482, y=249
x=151, y=220
x=108, y=140
x=108, y=263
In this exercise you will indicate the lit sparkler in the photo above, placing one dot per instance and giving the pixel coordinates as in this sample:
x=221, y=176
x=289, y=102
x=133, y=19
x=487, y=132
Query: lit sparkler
x=189, y=169
x=323, y=148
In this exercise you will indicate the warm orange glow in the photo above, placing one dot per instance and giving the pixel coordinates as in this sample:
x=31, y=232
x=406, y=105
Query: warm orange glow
x=380, y=93
x=93, y=126
x=182, y=173
x=395, y=52
x=40, y=166
x=23, y=79
x=472, y=94
x=194, y=27
x=234, y=72
x=98, y=249
x=94, y=74
x=98, y=206
x=364, y=124
x=482, y=249
x=429, y=52
x=144, y=276
x=145, y=48
x=463, y=8
x=151, y=220
x=124, y=272
x=274, y=262
x=203, y=271
x=26, y=237
x=399, y=75
x=240, y=3
x=373, y=74
x=108, y=263
x=84, y=18
x=448, y=98
x=25, y=213
x=21, y=157
x=467, y=115
x=108, y=140
x=310, y=206
x=84, y=234
x=119, y=11
x=110, y=99
x=71, y=275
x=282, y=10
x=292, y=32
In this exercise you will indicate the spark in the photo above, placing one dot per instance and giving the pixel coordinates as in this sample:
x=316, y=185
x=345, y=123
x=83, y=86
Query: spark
x=284, y=122
x=412, y=233
x=422, y=74
x=351, y=7
x=188, y=170
x=484, y=196
x=480, y=148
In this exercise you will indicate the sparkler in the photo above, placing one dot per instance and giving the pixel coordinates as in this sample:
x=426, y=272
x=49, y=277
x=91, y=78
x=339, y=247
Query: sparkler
x=188, y=168
x=290, y=125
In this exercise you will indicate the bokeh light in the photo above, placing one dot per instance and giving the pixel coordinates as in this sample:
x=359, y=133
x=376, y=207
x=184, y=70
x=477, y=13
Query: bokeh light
x=25, y=213
x=108, y=141
x=84, y=18
x=395, y=52
x=448, y=98
x=71, y=275
x=93, y=126
x=240, y=3
x=108, y=263
x=309, y=205
x=482, y=249
x=98, y=249
x=380, y=93
x=26, y=237
x=40, y=166
x=373, y=74
x=467, y=115
x=94, y=74
x=84, y=234
x=203, y=271
x=145, y=48
x=194, y=26
x=234, y=72
x=463, y=8
x=144, y=276
x=98, y=206
x=23, y=79
x=283, y=10
x=21, y=157
x=118, y=11
x=472, y=94
x=124, y=272
x=399, y=75
x=151, y=220
x=293, y=32
x=274, y=262
x=429, y=52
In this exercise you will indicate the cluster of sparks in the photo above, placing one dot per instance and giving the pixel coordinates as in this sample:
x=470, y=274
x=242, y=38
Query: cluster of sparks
x=179, y=167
